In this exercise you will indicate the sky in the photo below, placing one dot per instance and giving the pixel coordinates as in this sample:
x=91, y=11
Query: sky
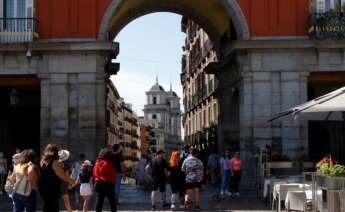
x=150, y=46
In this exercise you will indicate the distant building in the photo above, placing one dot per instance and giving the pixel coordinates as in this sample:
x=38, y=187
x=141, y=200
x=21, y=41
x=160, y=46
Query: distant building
x=200, y=120
x=162, y=112
x=122, y=126
x=148, y=141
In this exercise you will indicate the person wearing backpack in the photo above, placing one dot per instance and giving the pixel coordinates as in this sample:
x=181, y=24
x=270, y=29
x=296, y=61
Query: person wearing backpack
x=105, y=176
x=24, y=178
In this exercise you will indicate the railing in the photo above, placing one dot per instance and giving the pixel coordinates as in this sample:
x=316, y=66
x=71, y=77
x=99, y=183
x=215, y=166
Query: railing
x=18, y=30
x=327, y=25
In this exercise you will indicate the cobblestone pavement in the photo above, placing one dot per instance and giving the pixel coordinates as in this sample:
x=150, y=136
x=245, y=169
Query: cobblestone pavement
x=133, y=198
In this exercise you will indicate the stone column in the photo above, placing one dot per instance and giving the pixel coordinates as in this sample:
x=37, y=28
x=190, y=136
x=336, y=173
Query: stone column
x=45, y=110
x=228, y=120
x=247, y=142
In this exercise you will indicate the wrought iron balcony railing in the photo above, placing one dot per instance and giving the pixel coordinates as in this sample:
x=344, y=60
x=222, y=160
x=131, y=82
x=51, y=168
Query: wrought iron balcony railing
x=328, y=25
x=18, y=30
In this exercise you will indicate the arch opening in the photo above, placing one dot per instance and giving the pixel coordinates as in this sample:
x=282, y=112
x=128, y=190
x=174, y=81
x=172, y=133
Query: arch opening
x=215, y=16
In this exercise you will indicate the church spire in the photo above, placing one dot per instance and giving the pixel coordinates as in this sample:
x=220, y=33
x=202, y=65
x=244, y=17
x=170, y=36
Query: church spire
x=170, y=86
x=156, y=80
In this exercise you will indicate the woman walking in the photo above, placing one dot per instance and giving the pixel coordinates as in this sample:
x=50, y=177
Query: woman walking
x=236, y=172
x=52, y=175
x=175, y=178
x=105, y=176
x=85, y=180
x=24, y=178
x=63, y=157
x=193, y=168
x=225, y=173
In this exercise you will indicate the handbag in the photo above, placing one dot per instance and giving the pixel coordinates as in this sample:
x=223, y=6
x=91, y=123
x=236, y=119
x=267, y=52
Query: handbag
x=9, y=186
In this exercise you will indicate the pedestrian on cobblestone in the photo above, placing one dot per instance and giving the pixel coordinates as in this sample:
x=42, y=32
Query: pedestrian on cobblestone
x=158, y=168
x=52, y=175
x=119, y=165
x=225, y=173
x=76, y=171
x=63, y=159
x=25, y=179
x=176, y=178
x=105, y=177
x=236, y=173
x=213, y=161
x=194, y=170
x=85, y=180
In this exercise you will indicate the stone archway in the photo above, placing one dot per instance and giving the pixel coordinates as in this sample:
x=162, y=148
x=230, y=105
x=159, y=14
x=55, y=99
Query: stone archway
x=212, y=15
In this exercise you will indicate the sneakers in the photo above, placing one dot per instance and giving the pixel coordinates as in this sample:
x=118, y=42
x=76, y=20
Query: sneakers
x=153, y=207
x=228, y=193
x=237, y=194
x=222, y=193
x=197, y=208
x=172, y=207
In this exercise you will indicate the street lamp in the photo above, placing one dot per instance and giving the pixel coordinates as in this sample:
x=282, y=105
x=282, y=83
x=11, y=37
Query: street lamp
x=13, y=97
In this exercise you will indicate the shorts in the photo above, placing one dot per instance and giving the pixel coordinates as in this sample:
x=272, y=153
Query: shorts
x=193, y=185
x=85, y=189
x=158, y=184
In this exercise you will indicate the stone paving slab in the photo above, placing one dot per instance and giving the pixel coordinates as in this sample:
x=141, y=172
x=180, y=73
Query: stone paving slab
x=133, y=198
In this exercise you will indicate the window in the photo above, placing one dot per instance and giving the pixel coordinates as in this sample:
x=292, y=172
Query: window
x=15, y=8
x=154, y=116
x=154, y=100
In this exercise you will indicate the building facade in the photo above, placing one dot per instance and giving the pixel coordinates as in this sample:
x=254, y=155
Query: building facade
x=272, y=55
x=200, y=119
x=162, y=112
x=123, y=127
x=148, y=140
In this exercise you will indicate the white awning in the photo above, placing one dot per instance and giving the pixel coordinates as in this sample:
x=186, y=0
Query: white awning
x=330, y=106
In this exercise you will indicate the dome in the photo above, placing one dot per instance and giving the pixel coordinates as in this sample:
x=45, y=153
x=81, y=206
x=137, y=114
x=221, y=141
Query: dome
x=156, y=87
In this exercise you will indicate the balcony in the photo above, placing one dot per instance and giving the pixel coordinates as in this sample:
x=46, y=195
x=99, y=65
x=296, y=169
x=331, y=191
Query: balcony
x=327, y=25
x=18, y=30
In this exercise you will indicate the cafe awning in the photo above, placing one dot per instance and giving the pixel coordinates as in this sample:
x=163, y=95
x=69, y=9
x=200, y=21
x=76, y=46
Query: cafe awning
x=330, y=106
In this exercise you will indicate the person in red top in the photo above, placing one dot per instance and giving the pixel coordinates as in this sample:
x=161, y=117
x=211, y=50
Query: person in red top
x=236, y=172
x=104, y=175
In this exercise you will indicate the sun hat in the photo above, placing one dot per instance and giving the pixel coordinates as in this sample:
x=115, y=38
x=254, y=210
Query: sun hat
x=87, y=163
x=64, y=155
x=15, y=158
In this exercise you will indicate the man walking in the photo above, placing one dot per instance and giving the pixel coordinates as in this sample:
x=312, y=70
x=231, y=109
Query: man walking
x=158, y=168
x=213, y=161
x=119, y=166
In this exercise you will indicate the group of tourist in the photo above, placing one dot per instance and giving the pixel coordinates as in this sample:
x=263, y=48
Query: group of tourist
x=231, y=171
x=185, y=174
x=53, y=178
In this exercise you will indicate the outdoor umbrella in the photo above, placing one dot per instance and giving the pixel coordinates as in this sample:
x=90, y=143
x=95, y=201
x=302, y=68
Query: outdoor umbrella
x=330, y=106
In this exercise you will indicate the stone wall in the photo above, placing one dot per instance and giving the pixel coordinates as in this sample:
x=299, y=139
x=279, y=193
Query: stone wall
x=72, y=91
x=271, y=77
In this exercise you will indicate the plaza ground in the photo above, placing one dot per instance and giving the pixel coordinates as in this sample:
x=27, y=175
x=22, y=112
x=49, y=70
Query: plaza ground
x=132, y=198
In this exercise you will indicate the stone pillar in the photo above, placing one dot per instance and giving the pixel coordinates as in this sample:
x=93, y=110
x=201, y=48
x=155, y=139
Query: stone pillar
x=73, y=104
x=247, y=142
x=294, y=133
x=228, y=100
x=45, y=110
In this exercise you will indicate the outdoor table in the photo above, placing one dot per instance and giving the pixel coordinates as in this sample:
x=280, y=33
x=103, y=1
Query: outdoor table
x=296, y=200
x=280, y=192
